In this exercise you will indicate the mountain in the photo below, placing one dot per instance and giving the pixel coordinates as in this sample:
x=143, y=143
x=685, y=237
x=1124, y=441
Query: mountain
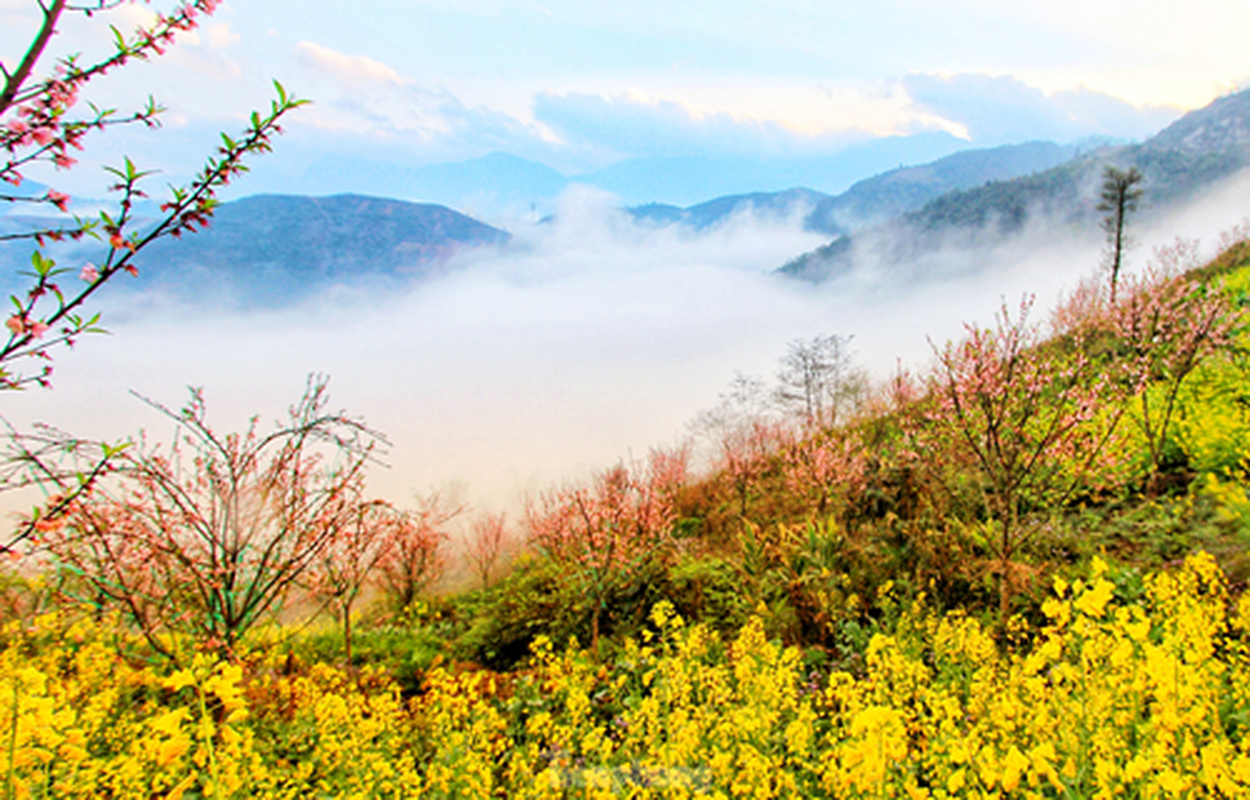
x=1190, y=155
x=898, y=191
x=684, y=180
x=276, y=248
x=874, y=199
x=288, y=244
x=501, y=184
x=713, y=212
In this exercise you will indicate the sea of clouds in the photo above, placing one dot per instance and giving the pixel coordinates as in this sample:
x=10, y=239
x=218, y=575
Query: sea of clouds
x=589, y=340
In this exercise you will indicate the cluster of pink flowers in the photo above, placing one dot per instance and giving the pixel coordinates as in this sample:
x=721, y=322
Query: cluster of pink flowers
x=21, y=325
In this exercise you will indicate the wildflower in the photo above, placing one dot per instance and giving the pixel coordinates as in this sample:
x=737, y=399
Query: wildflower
x=179, y=680
x=1094, y=600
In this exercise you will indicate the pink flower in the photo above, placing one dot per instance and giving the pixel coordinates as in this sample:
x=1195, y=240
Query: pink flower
x=38, y=328
x=89, y=274
x=58, y=199
x=63, y=161
x=16, y=324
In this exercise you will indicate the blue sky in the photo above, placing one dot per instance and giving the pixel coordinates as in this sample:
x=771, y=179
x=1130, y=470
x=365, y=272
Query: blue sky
x=580, y=85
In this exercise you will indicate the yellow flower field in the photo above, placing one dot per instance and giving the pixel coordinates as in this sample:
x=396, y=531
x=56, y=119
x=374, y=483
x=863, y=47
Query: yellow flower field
x=1109, y=698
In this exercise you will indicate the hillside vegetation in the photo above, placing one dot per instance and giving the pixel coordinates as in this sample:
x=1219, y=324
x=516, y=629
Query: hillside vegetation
x=1018, y=573
x=1197, y=152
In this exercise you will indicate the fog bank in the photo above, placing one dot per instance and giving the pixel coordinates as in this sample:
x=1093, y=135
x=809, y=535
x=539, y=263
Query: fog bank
x=591, y=340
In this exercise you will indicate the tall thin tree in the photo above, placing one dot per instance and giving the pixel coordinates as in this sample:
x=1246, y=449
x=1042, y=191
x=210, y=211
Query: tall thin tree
x=1121, y=192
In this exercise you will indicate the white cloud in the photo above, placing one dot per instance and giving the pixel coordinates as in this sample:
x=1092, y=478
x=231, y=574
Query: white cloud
x=632, y=124
x=592, y=340
x=220, y=34
x=352, y=70
x=996, y=109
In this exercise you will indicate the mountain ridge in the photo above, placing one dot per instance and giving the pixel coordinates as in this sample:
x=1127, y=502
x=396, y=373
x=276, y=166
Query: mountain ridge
x=282, y=243
x=872, y=200
x=1193, y=153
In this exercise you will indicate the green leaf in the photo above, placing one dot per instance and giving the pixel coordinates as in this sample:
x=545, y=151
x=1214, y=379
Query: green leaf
x=43, y=266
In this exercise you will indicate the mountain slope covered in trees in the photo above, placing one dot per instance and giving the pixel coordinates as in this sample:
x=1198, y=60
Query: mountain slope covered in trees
x=1192, y=154
x=279, y=246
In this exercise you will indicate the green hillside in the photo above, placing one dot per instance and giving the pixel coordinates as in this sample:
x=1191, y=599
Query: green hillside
x=1193, y=154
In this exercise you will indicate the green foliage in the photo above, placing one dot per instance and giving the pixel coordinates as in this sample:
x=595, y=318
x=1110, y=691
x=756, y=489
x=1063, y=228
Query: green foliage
x=710, y=589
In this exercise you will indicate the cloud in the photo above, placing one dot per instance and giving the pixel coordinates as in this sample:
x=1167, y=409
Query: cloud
x=592, y=340
x=352, y=70
x=204, y=51
x=635, y=126
x=373, y=100
x=220, y=34
x=1102, y=113
x=1000, y=109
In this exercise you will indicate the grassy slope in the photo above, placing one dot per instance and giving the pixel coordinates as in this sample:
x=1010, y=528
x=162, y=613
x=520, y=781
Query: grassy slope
x=825, y=579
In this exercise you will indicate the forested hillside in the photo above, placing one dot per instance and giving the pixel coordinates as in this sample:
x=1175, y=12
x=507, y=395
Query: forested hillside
x=1191, y=155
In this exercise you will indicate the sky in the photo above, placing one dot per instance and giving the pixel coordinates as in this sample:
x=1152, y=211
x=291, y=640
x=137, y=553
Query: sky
x=580, y=85
x=597, y=340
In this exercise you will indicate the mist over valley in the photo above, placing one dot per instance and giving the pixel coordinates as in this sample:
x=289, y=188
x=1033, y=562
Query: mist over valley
x=506, y=357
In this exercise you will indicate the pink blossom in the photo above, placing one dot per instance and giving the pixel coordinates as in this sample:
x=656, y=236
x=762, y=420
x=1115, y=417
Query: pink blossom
x=16, y=324
x=58, y=199
x=89, y=273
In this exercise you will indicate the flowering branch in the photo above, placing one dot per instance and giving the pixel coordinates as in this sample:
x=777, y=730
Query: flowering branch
x=39, y=129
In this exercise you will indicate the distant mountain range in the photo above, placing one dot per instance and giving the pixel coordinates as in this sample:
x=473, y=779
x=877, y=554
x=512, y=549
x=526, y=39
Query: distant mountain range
x=283, y=247
x=501, y=184
x=874, y=200
x=1190, y=155
x=683, y=180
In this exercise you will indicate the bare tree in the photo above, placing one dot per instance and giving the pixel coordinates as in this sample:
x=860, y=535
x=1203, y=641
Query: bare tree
x=488, y=542
x=414, y=559
x=349, y=561
x=743, y=431
x=1119, y=197
x=818, y=381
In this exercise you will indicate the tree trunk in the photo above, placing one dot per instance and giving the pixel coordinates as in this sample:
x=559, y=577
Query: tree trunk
x=594, y=629
x=347, y=633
